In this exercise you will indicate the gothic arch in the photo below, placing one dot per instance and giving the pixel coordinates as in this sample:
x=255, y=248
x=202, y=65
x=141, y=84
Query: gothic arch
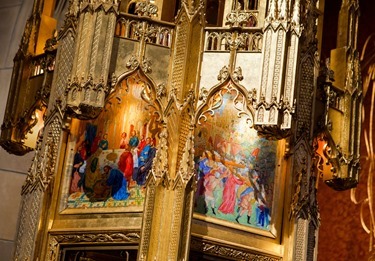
x=149, y=94
x=241, y=92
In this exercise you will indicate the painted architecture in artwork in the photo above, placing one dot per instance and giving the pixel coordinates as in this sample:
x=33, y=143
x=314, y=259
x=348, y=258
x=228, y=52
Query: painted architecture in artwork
x=169, y=130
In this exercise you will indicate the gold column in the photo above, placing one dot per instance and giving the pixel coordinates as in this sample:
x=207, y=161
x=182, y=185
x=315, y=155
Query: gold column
x=168, y=208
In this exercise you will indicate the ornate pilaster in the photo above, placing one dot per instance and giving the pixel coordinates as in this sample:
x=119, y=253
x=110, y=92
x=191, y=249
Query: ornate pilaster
x=65, y=55
x=87, y=87
x=170, y=187
x=38, y=185
x=275, y=105
x=304, y=213
x=189, y=36
x=34, y=191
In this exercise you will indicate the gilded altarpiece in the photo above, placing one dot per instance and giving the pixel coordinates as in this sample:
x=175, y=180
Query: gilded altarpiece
x=137, y=153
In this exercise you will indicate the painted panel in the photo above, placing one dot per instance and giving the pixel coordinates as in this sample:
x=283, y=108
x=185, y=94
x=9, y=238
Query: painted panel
x=110, y=157
x=235, y=168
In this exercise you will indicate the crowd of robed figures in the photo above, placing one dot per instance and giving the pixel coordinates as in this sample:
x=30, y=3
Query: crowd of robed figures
x=133, y=165
x=231, y=189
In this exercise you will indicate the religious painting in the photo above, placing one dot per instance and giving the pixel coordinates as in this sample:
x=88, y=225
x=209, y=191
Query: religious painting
x=235, y=168
x=111, y=156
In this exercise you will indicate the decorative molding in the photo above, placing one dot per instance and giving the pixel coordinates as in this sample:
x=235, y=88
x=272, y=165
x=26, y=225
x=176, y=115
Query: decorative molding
x=145, y=8
x=215, y=249
x=239, y=18
x=118, y=237
x=248, y=40
x=304, y=201
x=55, y=240
x=94, y=5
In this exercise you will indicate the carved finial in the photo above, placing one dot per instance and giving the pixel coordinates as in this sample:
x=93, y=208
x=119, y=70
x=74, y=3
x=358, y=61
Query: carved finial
x=251, y=97
x=132, y=63
x=272, y=11
x=146, y=65
x=283, y=11
x=203, y=95
x=237, y=74
x=296, y=13
x=223, y=74
x=113, y=80
x=161, y=90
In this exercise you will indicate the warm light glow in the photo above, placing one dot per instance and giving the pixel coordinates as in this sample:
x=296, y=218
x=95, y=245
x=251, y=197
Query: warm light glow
x=323, y=166
x=32, y=135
